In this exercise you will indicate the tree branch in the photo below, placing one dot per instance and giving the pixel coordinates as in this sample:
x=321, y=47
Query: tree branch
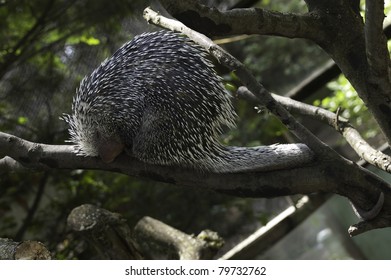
x=150, y=239
x=348, y=41
x=361, y=186
x=44, y=157
x=156, y=239
x=107, y=232
x=376, y=43
x=8, y=164
x=315, y=81
x=352, y=136
x=211, y=21
x=27, y=250
x=276, y=229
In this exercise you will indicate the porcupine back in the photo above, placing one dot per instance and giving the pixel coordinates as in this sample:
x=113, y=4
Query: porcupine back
x=160, y=96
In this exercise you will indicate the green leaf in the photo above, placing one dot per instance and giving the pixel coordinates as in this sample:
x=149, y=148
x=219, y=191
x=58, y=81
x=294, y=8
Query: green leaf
x=22, y=120
x=89, y=40
x=230, y=87
x=86, y=39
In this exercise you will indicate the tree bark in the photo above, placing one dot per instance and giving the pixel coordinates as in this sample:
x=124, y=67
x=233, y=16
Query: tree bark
x=107, y=232
x=26, y=250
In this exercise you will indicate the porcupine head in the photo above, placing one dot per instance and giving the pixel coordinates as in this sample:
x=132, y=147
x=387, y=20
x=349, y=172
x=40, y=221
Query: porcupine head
x=158, y=98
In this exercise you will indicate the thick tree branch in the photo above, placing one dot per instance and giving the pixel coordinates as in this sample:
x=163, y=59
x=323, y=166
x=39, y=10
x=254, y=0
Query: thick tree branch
x=27, y=250
x=107, y=232
x=375, y=40
x=44, y=157
x=211, y=21
x=361, y=186
x=349, y=42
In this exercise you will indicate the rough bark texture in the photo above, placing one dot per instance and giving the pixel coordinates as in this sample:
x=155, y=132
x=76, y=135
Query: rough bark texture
x=26, y=250
x=150, y=239
x=105, y=231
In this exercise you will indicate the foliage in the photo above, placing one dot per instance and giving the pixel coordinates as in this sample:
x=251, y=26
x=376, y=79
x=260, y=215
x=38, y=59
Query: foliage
x=353, y=108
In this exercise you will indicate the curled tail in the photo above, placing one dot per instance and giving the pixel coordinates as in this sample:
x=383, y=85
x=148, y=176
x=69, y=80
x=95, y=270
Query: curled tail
x=261, y=158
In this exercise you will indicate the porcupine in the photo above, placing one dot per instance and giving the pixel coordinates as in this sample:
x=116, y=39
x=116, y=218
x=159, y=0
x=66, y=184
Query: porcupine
x=159, y=99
